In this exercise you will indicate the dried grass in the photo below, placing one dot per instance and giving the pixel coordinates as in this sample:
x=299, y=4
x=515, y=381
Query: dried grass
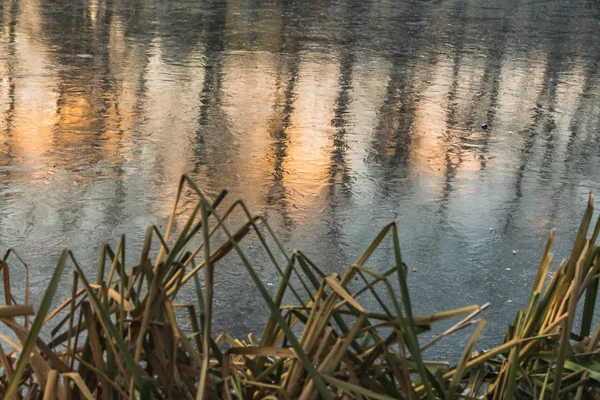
x=122, y=336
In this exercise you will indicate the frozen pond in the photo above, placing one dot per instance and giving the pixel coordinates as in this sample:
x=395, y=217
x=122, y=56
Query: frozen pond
x=332, y=117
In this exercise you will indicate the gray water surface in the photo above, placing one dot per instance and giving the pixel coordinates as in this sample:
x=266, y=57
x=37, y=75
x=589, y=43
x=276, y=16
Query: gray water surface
x=331, y=117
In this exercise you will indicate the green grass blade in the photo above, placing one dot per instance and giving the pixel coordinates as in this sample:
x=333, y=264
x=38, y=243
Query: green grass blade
x=36, y=326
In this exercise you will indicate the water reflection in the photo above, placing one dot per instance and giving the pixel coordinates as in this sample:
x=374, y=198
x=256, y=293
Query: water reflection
x=331, y=117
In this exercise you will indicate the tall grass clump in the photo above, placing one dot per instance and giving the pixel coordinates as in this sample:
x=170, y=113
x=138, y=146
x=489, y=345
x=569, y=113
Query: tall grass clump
x=126, y=334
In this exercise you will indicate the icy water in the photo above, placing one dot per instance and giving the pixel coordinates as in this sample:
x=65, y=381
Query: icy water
x=331, y=117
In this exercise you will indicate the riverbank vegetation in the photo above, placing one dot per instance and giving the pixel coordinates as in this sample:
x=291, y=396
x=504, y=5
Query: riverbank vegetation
x=129, y=332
